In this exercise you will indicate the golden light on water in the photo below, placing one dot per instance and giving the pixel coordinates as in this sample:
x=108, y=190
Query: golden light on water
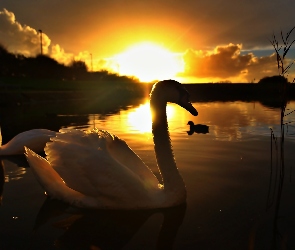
x=134, y=124
x=148, y=61
x=140, y=118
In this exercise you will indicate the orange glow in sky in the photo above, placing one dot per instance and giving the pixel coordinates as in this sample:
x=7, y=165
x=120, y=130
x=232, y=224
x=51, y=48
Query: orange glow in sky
x=141, y=38
x=148, y=61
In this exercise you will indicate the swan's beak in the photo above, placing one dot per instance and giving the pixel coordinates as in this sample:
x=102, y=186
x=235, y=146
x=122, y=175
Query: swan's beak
x=189, y=107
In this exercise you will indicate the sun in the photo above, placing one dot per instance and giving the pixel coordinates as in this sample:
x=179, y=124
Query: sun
x=148, y=61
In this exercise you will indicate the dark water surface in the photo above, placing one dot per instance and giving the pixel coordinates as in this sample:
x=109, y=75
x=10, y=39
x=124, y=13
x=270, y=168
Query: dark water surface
x=231, y=183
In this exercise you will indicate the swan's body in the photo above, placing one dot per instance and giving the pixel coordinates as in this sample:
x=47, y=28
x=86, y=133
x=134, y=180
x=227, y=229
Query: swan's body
x=34, y=139
x=96, y=169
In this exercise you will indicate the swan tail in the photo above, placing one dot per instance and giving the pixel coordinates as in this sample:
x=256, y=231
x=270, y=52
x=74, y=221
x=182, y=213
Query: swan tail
x=54, y=185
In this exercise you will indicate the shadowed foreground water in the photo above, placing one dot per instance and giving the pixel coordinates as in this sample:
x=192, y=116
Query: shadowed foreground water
x=230, y=182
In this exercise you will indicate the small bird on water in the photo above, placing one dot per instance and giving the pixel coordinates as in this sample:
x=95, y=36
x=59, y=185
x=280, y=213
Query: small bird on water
x=197, y=128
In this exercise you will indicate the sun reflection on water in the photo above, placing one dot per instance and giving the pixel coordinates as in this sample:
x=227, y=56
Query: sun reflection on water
x=139, y=120
x=135, y=120
x=229, y=121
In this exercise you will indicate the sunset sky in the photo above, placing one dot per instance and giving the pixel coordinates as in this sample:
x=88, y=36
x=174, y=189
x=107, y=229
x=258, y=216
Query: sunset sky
x=188, y=40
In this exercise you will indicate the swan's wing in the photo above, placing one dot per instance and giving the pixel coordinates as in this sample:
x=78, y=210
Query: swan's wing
x=83, y=160
x=34, y=139
x=53, y=184
x=116, y=147
x=122, y=153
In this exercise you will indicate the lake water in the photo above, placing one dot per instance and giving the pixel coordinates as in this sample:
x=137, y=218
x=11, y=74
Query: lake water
x=231, y=175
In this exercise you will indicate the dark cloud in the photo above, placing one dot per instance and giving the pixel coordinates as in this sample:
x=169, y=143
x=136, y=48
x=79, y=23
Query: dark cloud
x=227, y=62
x=223, y=62
x=261, y=67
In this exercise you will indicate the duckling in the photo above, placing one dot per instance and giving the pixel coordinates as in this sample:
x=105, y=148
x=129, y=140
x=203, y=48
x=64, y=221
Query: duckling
x=197, y=128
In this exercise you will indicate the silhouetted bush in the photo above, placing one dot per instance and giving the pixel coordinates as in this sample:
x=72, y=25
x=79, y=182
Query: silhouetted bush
x=273, y=81
x=276, y=86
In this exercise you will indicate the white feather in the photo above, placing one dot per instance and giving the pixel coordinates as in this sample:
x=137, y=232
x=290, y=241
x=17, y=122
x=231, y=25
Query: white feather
x=34, y=139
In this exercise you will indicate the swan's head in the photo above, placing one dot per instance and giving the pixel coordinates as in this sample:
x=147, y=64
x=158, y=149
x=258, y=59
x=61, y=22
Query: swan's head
x=172, y=91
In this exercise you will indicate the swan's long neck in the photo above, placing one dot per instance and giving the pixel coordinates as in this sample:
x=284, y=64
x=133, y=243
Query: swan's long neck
x=171, y=177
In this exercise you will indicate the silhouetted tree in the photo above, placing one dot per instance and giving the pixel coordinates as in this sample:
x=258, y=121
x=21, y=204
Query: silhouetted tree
x=42, y=66
x=78, y=70
x=8, y=61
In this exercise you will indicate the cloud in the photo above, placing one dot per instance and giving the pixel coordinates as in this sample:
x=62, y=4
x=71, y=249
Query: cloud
x=108, y=64
x=23, y=39
x=228, y=62
x=59, y=54
x=261, y=67
x=225, y=62
x=19, y=38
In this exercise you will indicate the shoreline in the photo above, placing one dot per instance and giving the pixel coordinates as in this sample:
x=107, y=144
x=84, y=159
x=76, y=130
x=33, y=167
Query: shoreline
x=198, y=93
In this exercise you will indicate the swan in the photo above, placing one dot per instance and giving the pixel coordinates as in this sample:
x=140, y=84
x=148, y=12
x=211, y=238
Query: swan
x=96, y=169
x=34, y=139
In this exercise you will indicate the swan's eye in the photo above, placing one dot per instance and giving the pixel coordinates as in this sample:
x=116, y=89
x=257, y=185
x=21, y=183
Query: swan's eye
x=184, y=97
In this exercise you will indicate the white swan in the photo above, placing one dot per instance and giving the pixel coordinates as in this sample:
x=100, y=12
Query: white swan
x=96, y=169
x=34, y=139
